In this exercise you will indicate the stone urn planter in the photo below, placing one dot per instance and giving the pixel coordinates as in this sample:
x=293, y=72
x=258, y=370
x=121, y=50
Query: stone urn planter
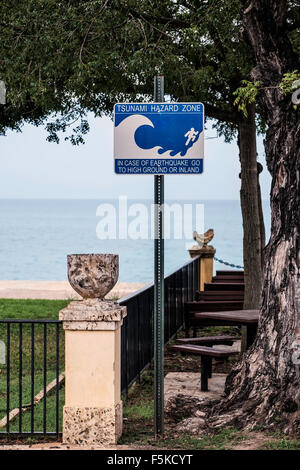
x=93, y=275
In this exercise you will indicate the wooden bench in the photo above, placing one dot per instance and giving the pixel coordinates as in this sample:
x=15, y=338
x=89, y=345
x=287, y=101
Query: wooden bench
x=229, y=286
x=206, y=354
x=190, y=309
x=213, y=305
x=219, y=295
x=232, y=279
x=229, y=273
x=209, y=340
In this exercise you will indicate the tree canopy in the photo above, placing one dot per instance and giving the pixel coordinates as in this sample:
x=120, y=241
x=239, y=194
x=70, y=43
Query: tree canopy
x=74, y=57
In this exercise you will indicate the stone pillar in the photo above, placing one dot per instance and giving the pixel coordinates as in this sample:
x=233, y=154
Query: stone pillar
x=206, y=253
x=93, y=408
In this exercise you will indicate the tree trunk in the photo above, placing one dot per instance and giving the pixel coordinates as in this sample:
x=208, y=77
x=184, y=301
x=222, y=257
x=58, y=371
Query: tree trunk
x=263, y=388
x=250, y=211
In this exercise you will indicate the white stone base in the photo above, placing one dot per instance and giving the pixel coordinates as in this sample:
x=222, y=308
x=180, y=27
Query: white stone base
x=92, y=426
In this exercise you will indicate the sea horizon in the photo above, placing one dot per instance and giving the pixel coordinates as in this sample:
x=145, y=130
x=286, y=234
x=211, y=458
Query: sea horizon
x=37, y=234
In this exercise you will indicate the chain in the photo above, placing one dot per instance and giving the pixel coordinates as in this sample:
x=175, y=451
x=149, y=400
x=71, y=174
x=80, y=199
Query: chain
x=228, y=264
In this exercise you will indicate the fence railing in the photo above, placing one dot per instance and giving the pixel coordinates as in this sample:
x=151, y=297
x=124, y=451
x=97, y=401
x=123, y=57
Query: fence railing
x=137, y=329
x=33, y=355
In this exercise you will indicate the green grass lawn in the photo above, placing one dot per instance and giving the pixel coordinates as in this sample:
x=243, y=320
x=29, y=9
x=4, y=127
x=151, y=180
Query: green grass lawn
x=31, y=309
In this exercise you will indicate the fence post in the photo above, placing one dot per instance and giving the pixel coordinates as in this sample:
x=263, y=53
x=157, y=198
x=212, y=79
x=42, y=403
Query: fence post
x=206, y=255
x=93, y=408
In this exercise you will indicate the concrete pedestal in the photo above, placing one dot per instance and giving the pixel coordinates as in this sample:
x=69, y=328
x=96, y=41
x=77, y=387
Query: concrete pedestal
x=206, y=254
x=93, y=407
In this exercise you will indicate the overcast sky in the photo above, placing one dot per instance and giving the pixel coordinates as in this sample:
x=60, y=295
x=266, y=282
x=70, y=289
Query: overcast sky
x=33, y=168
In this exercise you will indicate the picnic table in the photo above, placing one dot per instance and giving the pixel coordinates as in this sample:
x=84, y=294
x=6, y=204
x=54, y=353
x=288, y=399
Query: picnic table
x=248, y=318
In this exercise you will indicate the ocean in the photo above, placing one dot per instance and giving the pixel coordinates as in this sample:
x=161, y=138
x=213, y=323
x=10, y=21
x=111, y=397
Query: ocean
x=36, y=236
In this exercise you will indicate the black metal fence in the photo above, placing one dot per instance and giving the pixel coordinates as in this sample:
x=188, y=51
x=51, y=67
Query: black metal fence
x=137, y=329
x=32, y=358
x=34, y=355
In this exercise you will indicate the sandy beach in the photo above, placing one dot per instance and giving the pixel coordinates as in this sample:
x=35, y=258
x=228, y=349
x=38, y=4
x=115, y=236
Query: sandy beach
x=57, y=290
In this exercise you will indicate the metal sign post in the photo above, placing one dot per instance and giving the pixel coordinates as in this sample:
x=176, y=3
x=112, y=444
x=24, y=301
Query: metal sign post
x=158, y=285
x=158, y=138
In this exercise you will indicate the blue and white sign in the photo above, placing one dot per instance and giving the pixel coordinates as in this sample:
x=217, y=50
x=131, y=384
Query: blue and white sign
x=159, y=138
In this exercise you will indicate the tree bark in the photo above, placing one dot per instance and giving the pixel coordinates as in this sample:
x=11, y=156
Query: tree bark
x=263, y=388
x=250, y=211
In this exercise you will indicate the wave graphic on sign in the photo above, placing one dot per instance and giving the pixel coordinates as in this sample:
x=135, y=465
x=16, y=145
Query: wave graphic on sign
x=125, y=144
x=136, y=137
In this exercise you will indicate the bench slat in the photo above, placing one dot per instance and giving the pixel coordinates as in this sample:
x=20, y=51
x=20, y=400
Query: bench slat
x=213, y=305
x=209, y=340
x=229, y=273
x=203, y=350
x=224, y=286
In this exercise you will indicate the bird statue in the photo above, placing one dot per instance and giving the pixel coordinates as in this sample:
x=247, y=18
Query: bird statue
x=205, y=238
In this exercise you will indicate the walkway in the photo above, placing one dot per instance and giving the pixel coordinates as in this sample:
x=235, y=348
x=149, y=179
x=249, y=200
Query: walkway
x=57, y=290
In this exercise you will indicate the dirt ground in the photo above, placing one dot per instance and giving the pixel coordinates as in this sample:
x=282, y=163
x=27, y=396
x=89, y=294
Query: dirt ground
x=251, y=441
